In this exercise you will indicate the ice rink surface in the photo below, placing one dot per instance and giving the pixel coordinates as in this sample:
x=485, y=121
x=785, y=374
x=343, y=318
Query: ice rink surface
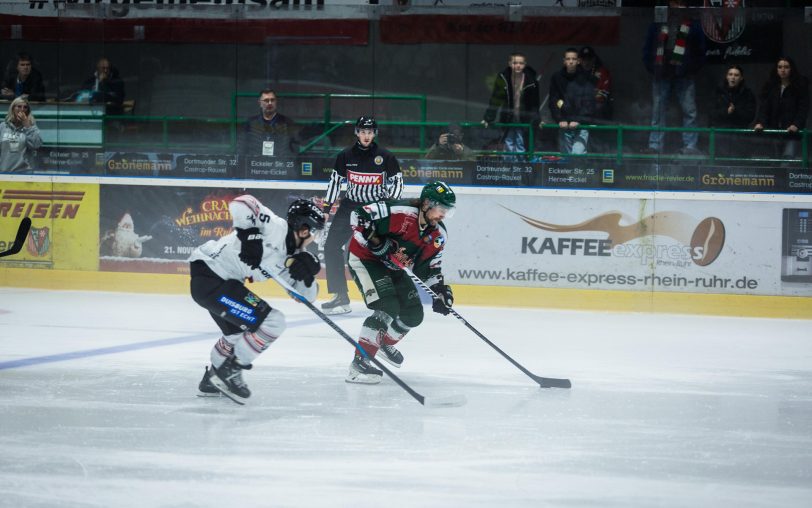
x=98, y=408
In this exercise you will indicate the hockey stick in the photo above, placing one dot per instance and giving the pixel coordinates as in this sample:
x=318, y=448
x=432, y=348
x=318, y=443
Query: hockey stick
x=19, y=240
x=448, y=401
x=544, y=382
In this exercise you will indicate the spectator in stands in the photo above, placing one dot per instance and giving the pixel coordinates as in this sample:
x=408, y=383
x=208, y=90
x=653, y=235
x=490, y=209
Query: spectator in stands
x=572, y=103
x=733, y=108
x=450, y=146
x=19, y=137
x=593, y=65
x=105, y=86
x=21, y=78
x=673, y=53
x=784, y=105
x=515, y=96
x=270, y=133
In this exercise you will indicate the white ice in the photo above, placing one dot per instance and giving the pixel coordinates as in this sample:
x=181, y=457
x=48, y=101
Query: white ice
x=665, y=410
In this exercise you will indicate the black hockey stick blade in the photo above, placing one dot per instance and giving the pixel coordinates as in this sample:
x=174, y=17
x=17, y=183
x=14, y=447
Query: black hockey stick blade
x=551, y=382
x=544, y=382
x=19, y=240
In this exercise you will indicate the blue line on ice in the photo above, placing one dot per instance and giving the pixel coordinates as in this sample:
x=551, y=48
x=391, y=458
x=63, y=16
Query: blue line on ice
x=134, y=346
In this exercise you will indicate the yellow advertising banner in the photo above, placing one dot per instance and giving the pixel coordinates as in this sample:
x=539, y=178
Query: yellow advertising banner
x=64, y=224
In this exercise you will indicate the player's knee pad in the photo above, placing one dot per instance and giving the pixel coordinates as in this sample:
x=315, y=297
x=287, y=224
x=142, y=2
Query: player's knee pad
x=398, y=327
x=410, y=316
x=386, y=307
x=253, y=343
x=272, y=326
x=379, y=320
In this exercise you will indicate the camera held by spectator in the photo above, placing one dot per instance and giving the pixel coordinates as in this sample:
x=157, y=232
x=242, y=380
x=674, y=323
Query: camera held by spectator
x=450, y=146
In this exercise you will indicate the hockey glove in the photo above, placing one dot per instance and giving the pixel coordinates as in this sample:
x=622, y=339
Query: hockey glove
x=303, y=266
x=250, y=246
x=445, y=299
x=384, y=248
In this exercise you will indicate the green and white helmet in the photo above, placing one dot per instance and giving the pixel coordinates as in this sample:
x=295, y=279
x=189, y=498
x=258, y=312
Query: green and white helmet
x=439, y=194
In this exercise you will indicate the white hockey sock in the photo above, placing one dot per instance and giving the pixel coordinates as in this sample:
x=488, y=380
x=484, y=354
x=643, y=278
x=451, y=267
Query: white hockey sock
x=223, y=348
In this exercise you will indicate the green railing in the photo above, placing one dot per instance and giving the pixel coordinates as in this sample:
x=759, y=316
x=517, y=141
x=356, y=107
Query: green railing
x=327, y=107
x=125, y=127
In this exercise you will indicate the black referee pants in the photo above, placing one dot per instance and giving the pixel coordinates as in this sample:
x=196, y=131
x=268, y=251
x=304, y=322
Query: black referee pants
x=335, y=245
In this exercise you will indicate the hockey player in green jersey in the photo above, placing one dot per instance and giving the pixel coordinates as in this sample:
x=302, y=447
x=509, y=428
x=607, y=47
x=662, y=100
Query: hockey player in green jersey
x=412, y=233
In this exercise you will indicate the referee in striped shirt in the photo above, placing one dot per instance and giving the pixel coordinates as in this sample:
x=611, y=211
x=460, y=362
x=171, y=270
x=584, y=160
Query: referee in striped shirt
x=372, y=174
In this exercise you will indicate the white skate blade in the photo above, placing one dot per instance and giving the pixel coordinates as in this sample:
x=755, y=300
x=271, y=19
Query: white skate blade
x=456, y=400
x=363, y=379
x=336, y=311
x=208, y=394
x=220, y=385
x=385, y=358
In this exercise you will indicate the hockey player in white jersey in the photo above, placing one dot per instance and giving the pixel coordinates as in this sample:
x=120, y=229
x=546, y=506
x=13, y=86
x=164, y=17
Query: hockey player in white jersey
x=260, y=246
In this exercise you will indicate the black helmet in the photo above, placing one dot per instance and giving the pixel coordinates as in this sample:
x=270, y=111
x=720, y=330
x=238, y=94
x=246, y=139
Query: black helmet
x=304, y=212
x=366, y=122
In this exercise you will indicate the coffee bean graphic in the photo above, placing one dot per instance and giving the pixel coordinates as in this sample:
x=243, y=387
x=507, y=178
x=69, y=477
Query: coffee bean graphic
x=707, y=241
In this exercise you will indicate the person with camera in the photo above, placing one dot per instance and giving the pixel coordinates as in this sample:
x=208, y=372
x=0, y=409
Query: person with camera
x=450, y=147
x=19, y=137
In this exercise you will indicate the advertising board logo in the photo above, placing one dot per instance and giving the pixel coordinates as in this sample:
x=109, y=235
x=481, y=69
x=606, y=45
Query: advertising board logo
x=608, y=175
x=39, y=241
x=738, y=180
x=365, y=178
x=724, y=21
x=701, y=242
x=211, y=209
x=307, y=168
x=40, y=204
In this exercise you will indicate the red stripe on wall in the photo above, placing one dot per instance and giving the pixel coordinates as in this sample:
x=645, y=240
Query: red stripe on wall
x=597, y=30
x=201, y=31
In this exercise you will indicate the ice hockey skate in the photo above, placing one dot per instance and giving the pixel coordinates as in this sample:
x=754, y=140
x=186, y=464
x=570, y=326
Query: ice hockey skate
x=362, y=372
x=391, y=355
x=340, y=304
x=228, y=380
x=205, y=388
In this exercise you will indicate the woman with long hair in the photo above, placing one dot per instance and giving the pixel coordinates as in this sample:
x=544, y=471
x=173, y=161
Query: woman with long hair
x=19, y=137
x=784, y=105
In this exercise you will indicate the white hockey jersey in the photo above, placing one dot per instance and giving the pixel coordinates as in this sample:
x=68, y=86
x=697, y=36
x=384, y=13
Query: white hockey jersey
x=223, y=255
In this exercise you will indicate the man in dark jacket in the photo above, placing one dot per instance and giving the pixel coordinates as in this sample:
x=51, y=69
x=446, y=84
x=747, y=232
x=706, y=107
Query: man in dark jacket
x=106, y=87
x=572, y=102
x=516, y=96
x=21, y=78
x=270, y=133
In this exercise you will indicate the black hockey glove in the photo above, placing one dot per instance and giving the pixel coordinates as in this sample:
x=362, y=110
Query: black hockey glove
x=445, y=299
x=250, y=246
x=303, y=266
x=384, y=248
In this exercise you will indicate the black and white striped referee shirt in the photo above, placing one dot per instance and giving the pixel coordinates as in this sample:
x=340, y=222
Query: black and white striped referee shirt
x=371, y=174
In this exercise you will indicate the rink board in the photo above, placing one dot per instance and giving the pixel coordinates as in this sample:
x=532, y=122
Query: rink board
x=492, y=296
x=685, y=252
